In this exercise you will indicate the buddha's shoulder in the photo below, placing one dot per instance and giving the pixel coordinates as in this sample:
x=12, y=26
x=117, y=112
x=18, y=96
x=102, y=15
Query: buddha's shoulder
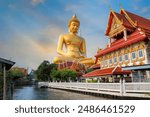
x=63, y=35
x=68, y=36
x=80, y=37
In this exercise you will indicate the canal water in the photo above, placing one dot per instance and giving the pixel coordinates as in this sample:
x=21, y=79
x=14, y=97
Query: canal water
x=35, y=93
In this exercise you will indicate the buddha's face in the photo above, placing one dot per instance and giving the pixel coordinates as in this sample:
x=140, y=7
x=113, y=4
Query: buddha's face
x=74, y=26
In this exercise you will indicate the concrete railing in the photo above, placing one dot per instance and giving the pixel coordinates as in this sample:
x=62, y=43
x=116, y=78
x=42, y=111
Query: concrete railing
x=43, y=84
x=89, y=86
x=121, y=87
x=137, y=87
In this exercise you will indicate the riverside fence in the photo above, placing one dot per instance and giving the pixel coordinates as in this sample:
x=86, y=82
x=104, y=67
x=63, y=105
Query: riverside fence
x=141, y=89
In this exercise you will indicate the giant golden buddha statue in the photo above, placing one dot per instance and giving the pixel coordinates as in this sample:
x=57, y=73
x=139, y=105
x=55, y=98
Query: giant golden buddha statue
x=75, y=46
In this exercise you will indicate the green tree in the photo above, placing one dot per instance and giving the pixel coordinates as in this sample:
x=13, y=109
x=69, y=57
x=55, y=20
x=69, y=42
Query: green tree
x=88, y=70
x=15, y=74
x=68, y=75
x=55, y=75
x=64, y=75
x=44, y=70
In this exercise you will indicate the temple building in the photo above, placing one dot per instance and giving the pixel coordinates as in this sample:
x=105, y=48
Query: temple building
x=128, y=48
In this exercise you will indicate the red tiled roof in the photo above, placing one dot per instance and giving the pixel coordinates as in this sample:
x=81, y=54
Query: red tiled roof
x=95, y=66
x=107, y=71
x=147, y=32
x=131, y=39
x=141, y=22
x=22, y=70
x=122, y=17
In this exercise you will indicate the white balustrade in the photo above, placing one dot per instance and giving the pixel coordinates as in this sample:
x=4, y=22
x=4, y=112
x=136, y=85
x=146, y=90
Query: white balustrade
x=143, y=87
x=137, y=87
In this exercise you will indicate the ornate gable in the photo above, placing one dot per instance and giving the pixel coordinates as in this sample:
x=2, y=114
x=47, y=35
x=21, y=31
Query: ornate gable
x=116, y=28
x=122, y=11
x=114, y=25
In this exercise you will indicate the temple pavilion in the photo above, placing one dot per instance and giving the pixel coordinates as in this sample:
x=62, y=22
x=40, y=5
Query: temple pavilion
x=127, y=53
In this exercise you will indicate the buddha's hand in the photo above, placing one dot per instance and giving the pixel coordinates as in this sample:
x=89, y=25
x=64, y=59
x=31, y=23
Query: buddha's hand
x=73, y=56
x=82, y=56
x=70, y=56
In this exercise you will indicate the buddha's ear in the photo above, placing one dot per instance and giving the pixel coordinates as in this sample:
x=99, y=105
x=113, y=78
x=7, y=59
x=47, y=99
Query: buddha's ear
x=69, y=30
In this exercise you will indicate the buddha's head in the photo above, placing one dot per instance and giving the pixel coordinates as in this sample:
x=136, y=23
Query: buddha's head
x=73, y=24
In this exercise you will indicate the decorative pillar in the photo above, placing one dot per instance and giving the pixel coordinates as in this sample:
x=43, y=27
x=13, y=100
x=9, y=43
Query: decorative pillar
x=132, y=76
x=147, y=75
x=121, y=86
x=139, y=76
x=125, y=34
x=4, y=85
x=86, y=84
x=124, y=88
x=98, y=88
x=109, y=42
x=146, y=54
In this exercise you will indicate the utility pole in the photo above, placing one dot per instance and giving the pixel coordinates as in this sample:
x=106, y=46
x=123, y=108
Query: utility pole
x=4, y=86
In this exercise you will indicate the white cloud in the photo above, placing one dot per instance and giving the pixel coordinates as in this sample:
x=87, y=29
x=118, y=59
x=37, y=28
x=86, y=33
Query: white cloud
x=92, y=26
x=27, y=50
x=73, y=7
x=141, y=9
x=11, y=6
x=31, y=49
x=36, y=2
x=145, y=9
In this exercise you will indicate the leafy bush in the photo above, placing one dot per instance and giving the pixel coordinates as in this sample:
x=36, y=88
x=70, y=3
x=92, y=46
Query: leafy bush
x=64, y=75
x=15, y=74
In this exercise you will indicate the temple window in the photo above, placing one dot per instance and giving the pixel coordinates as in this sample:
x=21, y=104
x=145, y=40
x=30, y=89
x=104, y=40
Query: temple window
x=133, y=55
x=140, y=52
x=102, y=63
x=110, y=61
x=126, y=57
x=105, y=62
x=115, y=59
x=120, y=58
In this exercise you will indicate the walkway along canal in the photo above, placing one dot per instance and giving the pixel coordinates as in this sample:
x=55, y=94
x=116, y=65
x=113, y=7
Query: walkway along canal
x=120, y=90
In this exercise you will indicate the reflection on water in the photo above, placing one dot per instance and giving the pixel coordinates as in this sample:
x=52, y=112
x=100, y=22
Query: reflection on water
x=34, y=93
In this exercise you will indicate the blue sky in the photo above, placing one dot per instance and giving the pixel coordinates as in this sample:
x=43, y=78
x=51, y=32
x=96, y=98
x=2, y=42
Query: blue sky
x=29, y=29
